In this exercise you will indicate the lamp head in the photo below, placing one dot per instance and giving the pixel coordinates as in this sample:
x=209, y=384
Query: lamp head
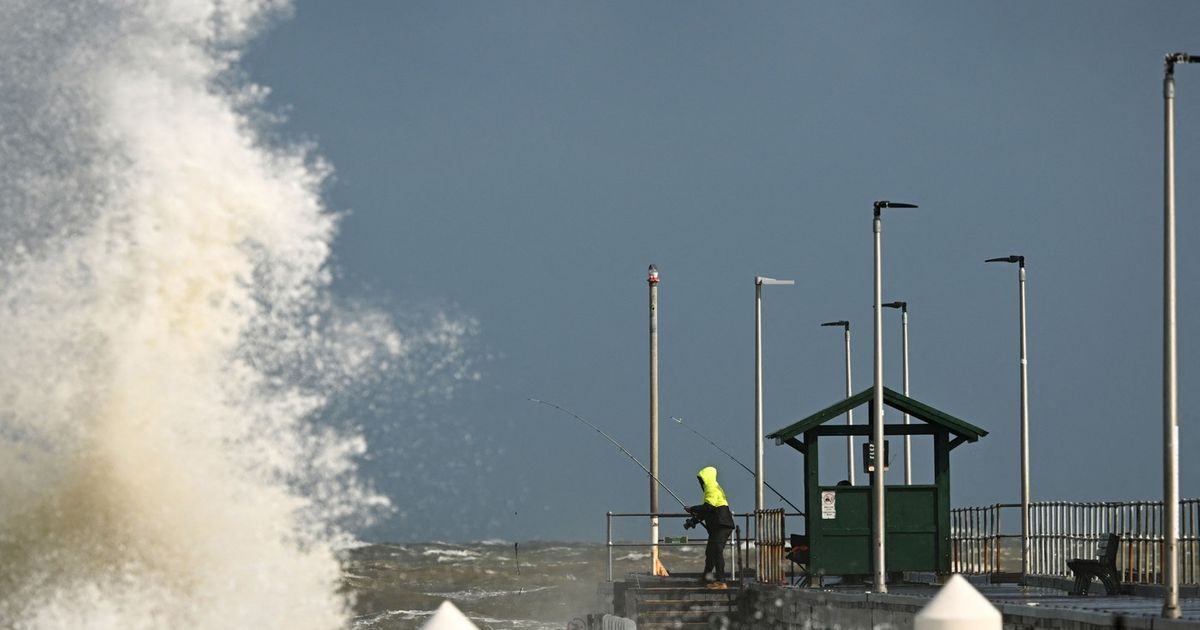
x=1178, y=57
x=652, y=276
x=841, y=322
x=879, y=205
x=900, y=305
x=1009, y=259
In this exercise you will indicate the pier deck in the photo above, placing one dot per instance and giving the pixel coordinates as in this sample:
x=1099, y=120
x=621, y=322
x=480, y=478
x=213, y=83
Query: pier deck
x=762, y=606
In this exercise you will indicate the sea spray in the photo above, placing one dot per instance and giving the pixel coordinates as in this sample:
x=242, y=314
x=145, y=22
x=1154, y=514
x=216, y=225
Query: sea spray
x=166, y=333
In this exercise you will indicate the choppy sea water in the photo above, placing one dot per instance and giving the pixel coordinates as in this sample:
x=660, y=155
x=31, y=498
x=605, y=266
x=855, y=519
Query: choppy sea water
x=498, y=585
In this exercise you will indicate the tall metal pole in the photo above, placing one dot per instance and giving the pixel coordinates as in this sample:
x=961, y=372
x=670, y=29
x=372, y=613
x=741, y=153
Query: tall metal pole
x=849, y=392
x=1025, y=549
x=1024, y=434
x=652, y=281
x=907, y=419
x=877, y=500
x=758, y=398
x=877, y=477
x=1170, y=365
x=849, y=412
x=903, y=306
x=759, y=281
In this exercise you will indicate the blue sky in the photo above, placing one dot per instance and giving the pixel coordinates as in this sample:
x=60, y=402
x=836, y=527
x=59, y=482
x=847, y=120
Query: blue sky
x=521, y=164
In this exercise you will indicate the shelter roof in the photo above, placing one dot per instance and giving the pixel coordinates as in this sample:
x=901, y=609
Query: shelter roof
x=964, y=430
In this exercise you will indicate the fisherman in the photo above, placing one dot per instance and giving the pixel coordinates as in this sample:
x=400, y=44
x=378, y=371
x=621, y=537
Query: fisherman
x=714, y=514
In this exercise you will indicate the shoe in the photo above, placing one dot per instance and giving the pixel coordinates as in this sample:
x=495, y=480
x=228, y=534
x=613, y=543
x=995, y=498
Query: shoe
x=716, y=586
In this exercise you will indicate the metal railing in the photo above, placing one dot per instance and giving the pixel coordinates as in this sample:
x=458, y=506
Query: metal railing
x=769, y=554
x=735, y=559
x=1060, y=531
x=769, y=538
x=976, y=538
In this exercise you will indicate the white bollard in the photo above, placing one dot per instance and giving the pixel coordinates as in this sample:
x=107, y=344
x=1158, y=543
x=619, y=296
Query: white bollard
x=448, y=617
x=958, y=606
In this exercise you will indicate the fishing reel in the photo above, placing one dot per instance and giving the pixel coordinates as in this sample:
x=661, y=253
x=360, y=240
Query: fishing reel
x=691, y=522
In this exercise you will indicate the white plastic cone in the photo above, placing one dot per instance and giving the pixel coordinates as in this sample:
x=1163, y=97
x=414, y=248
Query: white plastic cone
x=958, y=606
x=448, y=617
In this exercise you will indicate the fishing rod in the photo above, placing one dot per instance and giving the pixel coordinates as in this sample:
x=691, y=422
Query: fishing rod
x=616, y=444
x=679, y=421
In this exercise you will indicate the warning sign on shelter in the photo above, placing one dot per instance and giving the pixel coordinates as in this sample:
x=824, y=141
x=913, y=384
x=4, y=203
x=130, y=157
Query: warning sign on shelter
x=828, y=504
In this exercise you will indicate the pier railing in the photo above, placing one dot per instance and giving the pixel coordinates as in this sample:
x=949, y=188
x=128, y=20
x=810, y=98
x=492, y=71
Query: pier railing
x=986, y=540
x=767, y=535
x=735, y=561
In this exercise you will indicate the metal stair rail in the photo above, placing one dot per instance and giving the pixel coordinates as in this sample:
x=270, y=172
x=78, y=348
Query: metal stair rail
x=768, y=540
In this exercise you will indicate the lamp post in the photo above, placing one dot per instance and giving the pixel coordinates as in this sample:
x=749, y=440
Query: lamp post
x=849, y=392
x=1170, y=364
x=759, y=281
x=903, y=306
x=652, y=281
x=879, y=556
x=1020, y=260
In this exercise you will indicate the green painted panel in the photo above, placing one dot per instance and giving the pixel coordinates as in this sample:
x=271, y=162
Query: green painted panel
x=841, y=555
x=841, y=545
x=908, y=551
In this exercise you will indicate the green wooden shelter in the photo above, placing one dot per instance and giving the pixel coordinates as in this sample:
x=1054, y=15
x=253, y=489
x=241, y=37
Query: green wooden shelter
x=838, y=520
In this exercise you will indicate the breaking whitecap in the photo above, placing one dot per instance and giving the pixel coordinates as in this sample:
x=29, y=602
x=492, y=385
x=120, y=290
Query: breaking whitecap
x=171, y=345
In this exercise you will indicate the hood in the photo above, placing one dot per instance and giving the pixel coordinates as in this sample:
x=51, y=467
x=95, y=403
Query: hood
x=713, y=494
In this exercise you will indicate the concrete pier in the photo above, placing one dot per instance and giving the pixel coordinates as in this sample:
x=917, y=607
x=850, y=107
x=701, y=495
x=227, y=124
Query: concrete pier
x=753, y=606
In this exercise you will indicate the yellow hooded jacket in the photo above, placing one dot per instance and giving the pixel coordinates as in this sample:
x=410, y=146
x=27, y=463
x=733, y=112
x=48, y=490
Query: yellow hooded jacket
x=714, y=512
x=713, y=494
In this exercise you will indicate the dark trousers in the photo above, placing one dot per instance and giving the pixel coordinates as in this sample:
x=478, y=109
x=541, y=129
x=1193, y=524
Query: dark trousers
x=714, y=554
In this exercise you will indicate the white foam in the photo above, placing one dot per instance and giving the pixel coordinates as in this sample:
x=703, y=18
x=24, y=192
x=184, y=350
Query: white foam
x=382, y=619
x=514, y=623
x=450, y=555
x=168, y=332
x=555, y=550
x=474, y=595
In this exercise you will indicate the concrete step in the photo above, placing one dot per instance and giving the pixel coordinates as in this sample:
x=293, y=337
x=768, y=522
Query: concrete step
x=707, y=618
x=687, y=591
x=663, y=608
x=677, y=623
x=671, y=605
x=667, y=606
x=687, y=615
x=711, y=597
x=680, y=604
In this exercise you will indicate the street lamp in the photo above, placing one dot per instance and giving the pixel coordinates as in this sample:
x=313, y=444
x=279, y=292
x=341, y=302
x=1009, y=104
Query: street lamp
x=652, y=281
x=759, y=281
x=903, y=306
x=877, y=407
x=1170, y=364
x=1020, y=260
x=849, y=392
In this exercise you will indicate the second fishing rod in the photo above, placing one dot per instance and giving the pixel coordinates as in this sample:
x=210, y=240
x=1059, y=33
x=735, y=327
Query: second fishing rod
x=614, y=443
x=679, y=421
x=646, y=470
